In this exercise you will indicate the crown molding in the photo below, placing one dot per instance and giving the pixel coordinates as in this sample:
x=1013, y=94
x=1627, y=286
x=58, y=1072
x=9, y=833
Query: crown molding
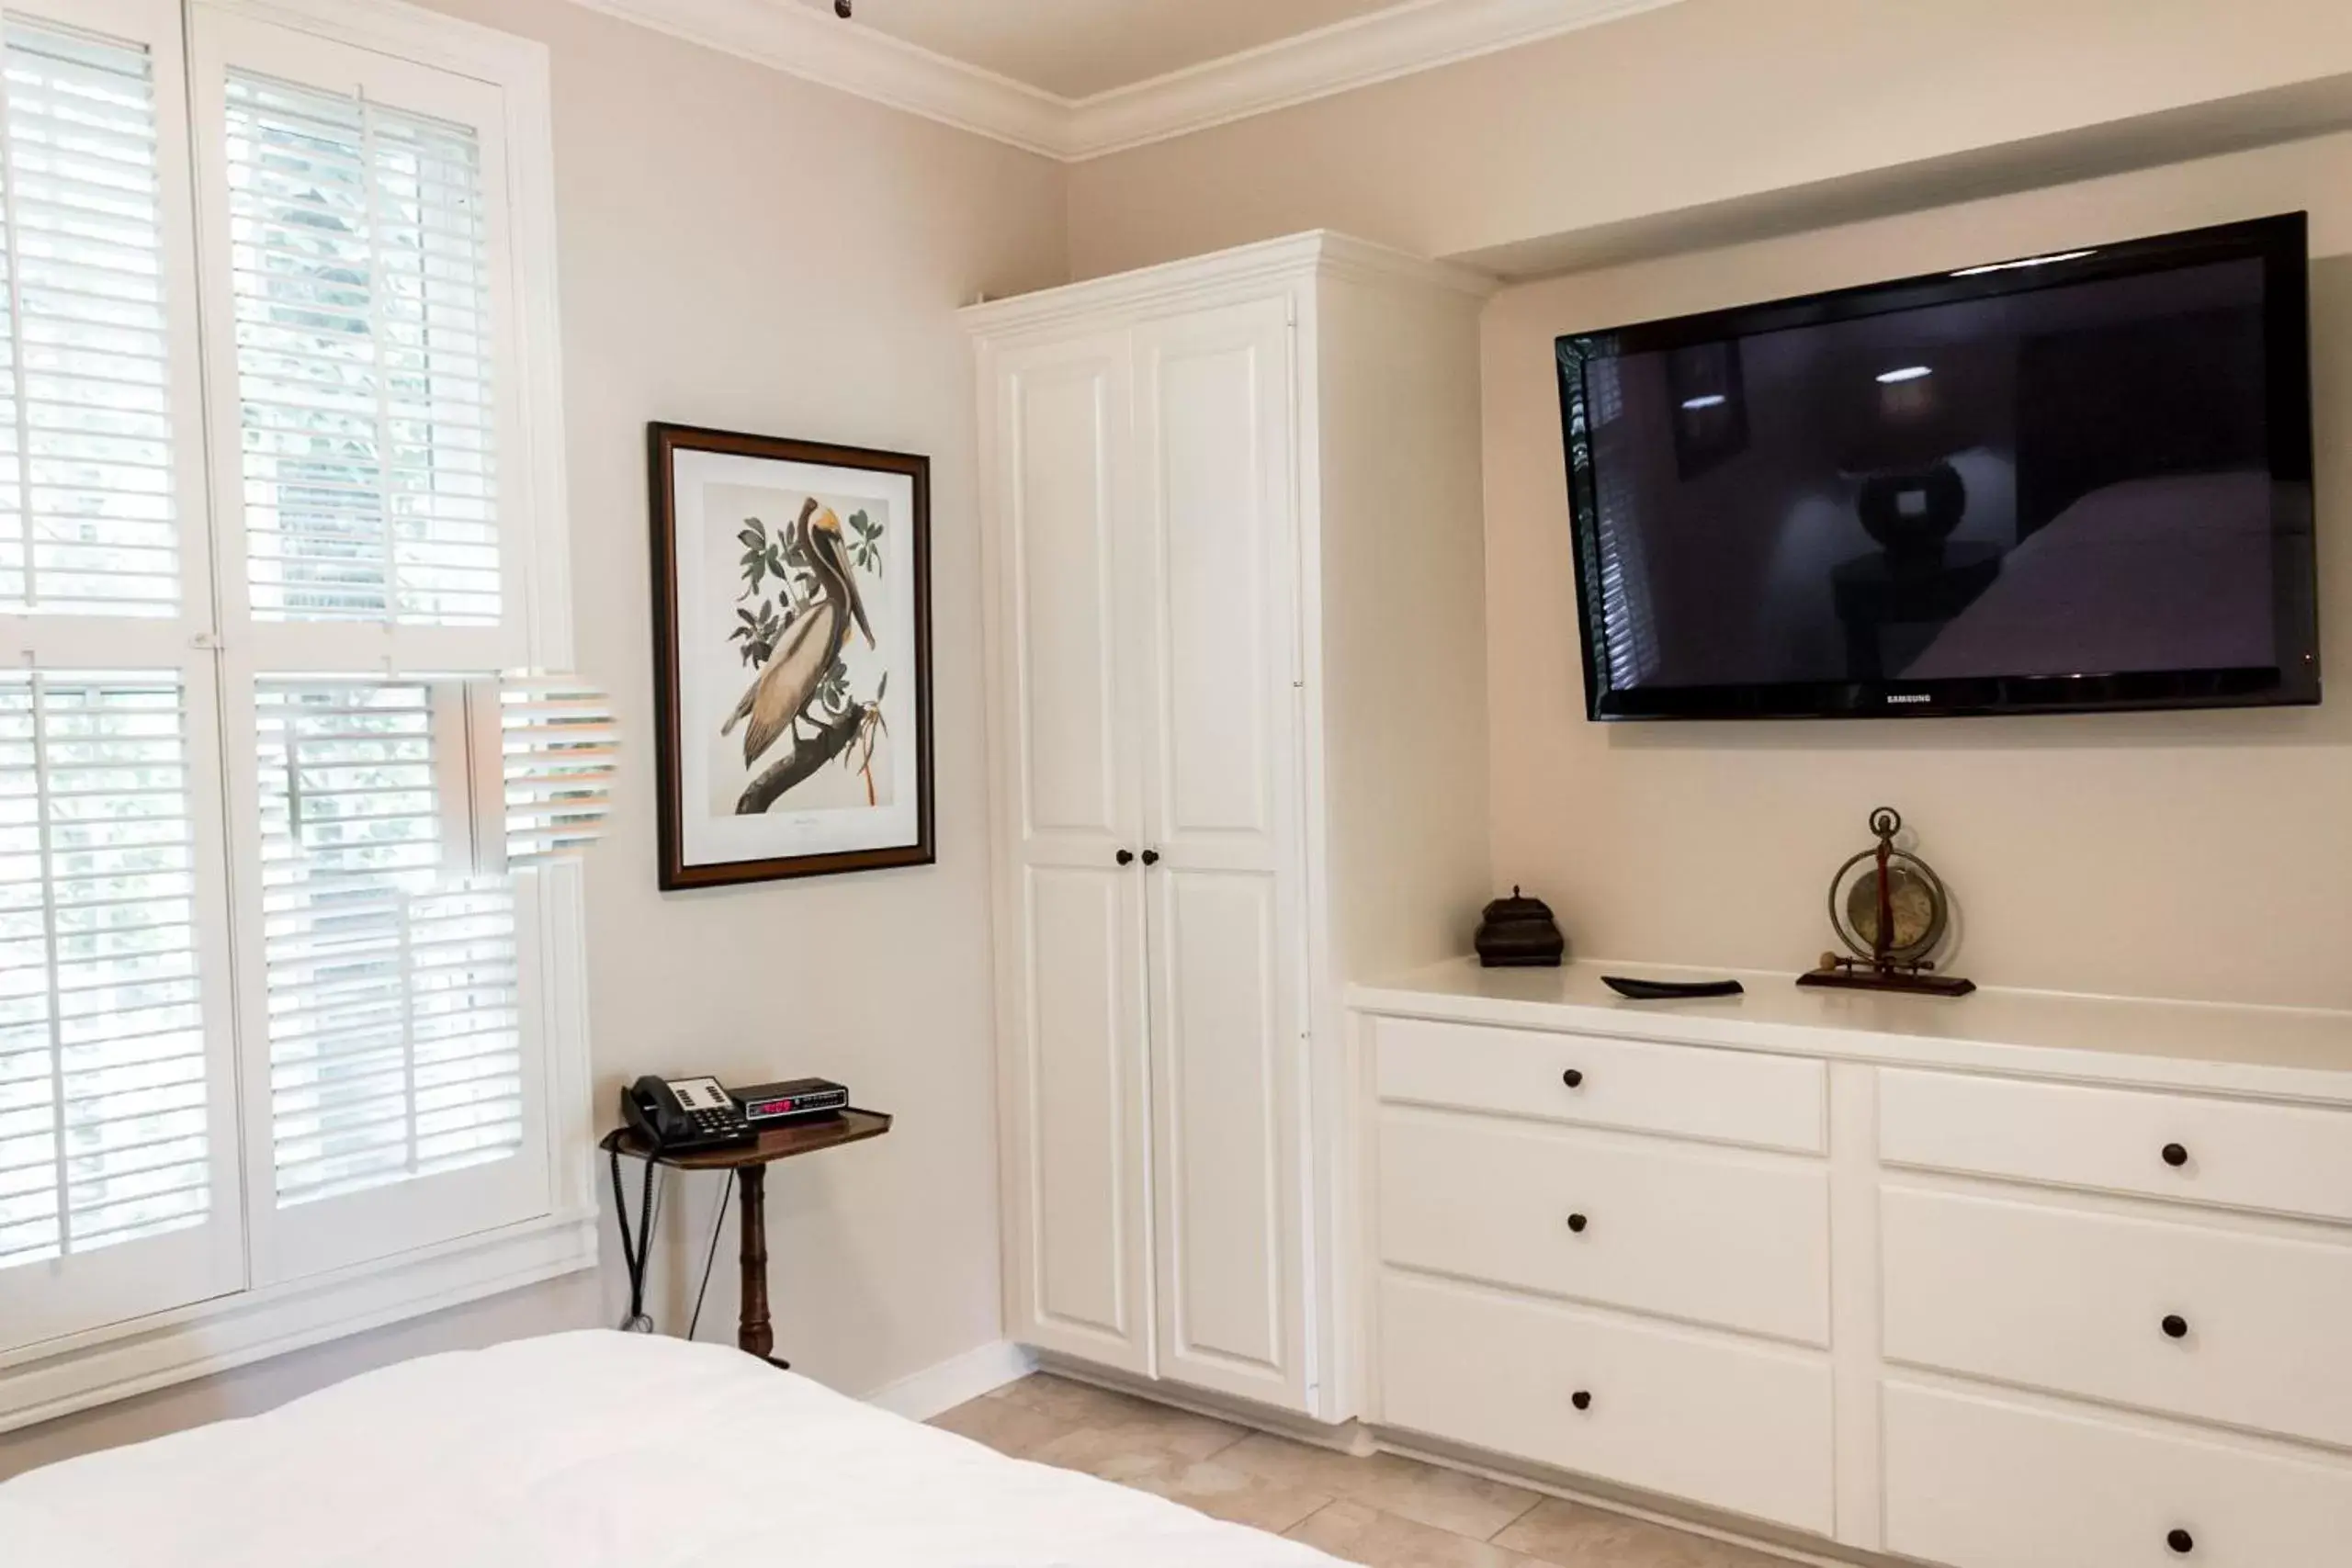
x=863, y=63
x=1418, y=35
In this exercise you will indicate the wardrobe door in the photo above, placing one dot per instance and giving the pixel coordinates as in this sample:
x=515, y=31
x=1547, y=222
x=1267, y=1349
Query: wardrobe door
x=1070, y=916
x=1214, y=468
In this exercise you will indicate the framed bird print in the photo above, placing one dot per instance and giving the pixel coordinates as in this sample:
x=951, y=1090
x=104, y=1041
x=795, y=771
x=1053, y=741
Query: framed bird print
x=792, y=657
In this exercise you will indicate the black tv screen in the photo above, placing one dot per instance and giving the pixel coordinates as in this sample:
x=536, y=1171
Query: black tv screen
x=2069, y=481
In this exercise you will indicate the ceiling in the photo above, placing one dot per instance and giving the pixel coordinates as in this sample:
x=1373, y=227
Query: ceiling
x=1075, y=49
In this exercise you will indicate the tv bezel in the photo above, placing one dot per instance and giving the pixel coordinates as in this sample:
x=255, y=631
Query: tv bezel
x=2281, y=243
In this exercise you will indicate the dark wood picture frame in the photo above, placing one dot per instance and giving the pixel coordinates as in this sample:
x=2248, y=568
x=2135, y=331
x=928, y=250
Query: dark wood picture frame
x=663, y=442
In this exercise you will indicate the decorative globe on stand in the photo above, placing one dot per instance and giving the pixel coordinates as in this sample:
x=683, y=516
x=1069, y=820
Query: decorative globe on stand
x=1891, y=910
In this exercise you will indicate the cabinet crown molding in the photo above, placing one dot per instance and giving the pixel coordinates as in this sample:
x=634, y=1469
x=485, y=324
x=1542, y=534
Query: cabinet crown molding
x=1320, y=252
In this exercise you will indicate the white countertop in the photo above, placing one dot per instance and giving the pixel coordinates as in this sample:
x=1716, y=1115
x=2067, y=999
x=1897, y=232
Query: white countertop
x=2302, y=1052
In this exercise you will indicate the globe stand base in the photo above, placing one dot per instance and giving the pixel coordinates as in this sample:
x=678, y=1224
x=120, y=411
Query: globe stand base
x=1862, y=975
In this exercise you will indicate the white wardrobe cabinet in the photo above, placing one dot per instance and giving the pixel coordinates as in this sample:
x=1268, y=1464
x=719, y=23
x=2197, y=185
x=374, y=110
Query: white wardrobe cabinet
x=1197, y=721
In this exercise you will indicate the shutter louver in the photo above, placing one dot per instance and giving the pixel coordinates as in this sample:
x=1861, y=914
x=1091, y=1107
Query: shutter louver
x=393, y=1000
x=102, y=1051
x=558, y=741
x=86, y=523
x=359, y=264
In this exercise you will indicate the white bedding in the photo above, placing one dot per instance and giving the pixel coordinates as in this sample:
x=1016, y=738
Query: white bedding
x=591, y=1450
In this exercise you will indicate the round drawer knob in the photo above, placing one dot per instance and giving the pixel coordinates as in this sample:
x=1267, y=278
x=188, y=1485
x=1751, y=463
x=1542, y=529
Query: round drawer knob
x=1577, y=1223
x=1581, y=1399
x=2181, y=1541
x=2176, y=1155
x=1573, y=1077
x=1125, y=857
x=2176, y=1327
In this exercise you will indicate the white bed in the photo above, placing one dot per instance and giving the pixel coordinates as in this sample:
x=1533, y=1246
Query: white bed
x=593, y=1450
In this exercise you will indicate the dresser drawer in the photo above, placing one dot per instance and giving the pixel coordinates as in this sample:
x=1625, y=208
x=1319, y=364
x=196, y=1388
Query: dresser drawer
x=1732, y=1096
x=1741, y=1427
x=1977, y=1482
x=2289, y=1159
x=2079, y=1302
x=1716, y=1235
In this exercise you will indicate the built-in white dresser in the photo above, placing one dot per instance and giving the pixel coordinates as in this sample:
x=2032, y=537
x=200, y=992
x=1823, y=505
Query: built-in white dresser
x=2013, y=1281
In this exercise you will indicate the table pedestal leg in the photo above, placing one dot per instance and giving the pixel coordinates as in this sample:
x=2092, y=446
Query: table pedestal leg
x=754, y=1332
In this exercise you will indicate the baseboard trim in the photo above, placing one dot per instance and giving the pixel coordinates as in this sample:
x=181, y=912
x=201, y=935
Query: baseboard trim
x=984, y=1369
x=1345, y=1436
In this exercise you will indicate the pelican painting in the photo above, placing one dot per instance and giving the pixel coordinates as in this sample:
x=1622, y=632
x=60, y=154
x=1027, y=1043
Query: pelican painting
x=792, y=600
x=809, y=644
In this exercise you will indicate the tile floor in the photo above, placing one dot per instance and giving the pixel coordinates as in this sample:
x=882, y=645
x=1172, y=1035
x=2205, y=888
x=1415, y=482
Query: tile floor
x=1384, y=1511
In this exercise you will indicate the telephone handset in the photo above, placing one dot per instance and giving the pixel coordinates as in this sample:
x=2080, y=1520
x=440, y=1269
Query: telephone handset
x=680, y=1114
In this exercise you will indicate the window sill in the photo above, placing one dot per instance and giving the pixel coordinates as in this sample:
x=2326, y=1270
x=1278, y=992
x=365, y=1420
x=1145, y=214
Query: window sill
x=61, y=1376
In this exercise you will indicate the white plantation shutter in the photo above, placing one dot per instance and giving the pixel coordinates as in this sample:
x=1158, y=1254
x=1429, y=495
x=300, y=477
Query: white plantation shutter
x=277, y=437
x=86, y=523
x=394, y=1044
x=358, y=264
x=559, y=743
x=103, y=1060
x=395, y=1069
x=118, y=1148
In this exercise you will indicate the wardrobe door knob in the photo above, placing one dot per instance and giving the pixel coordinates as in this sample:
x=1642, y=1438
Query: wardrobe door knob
x=1581, y=1399
x=1577, y=1223
x=1573, y=1077
x=1151, y=857
x=2176, y=1155
x=1127, y=857
x=2181, y=1541
x=2176, y=1327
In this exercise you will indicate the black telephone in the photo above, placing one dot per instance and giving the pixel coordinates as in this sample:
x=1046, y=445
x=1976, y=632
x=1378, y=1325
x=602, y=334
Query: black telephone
x=677, y=1115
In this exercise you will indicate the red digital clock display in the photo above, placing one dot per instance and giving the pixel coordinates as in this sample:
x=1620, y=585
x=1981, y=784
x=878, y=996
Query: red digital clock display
x=771, y=1106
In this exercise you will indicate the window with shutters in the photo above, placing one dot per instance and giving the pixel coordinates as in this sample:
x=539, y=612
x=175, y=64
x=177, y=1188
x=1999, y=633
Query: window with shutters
x=288, y=936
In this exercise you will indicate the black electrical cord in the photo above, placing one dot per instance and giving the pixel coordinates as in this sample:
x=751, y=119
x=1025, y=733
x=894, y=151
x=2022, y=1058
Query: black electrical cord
x=637, y=1252
x=726, y=1196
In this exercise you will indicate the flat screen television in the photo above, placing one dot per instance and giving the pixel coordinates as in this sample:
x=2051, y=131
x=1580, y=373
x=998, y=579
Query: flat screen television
x=2070, y=481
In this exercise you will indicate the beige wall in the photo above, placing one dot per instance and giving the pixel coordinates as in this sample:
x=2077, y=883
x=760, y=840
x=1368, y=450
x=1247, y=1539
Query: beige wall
x=742, y=249
x=1706, y=107
x=745, y=250
x=2167, y=854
